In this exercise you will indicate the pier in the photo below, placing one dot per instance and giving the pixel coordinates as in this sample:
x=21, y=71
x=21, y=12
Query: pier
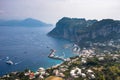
x=53, y=56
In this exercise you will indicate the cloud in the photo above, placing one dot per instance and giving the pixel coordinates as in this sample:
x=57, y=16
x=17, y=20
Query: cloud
x=52, y=10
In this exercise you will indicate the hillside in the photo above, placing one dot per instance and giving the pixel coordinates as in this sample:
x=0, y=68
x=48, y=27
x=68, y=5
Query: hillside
x=82, y=30
x=84, y=67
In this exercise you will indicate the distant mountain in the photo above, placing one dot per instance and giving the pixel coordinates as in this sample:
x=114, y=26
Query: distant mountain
x=81, y=30
x=27, y=22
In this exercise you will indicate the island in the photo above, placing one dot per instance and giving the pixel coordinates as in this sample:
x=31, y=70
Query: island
x=102, y=35
x=97, y=45
x=81, y=31
x=29, y=22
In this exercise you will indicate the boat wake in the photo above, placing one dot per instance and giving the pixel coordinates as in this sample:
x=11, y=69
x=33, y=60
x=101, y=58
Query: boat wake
x=18, y=63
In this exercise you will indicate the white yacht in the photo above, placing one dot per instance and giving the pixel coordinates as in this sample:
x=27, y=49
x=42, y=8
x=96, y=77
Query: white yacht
x=9, y=62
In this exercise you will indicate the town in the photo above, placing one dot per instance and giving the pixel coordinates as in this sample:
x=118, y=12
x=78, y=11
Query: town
x=86, y=66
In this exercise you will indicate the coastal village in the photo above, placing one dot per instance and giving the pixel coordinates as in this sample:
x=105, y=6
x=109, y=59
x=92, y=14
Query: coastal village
x=86, y=66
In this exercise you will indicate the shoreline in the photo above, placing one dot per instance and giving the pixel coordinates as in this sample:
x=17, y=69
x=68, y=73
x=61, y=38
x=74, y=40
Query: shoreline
x=61, y=70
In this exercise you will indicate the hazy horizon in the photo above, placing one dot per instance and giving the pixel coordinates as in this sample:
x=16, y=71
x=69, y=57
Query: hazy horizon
x=50, y=11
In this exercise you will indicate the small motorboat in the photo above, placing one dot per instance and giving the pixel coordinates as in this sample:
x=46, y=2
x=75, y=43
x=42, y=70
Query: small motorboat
x=9, y=62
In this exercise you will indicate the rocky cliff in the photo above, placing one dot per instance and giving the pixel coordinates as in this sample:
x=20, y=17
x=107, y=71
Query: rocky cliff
x=82, y=30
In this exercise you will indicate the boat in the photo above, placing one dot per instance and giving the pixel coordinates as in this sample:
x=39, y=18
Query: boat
x=9, y=62
x=74, y=49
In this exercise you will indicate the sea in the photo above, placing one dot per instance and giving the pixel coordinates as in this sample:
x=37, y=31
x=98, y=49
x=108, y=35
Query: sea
x=29, y=47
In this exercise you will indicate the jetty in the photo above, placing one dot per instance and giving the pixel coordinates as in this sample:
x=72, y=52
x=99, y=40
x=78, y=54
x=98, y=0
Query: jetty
x=53, y=56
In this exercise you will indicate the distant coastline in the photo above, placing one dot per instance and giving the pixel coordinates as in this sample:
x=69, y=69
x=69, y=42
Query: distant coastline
x=26, y=22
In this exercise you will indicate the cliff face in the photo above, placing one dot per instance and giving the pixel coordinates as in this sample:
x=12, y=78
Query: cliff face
x=81, y=30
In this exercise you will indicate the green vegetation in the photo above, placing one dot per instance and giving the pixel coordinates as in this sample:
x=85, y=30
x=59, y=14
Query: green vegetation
x=103, y=67
x=81, y=30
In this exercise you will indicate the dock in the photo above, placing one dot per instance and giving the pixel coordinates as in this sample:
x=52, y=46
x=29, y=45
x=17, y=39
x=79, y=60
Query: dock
x=53, y=56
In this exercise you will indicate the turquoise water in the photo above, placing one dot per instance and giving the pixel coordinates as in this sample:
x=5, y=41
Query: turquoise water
x=29, y=47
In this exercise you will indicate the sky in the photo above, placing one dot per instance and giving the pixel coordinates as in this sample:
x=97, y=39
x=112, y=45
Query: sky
x=51, y=11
